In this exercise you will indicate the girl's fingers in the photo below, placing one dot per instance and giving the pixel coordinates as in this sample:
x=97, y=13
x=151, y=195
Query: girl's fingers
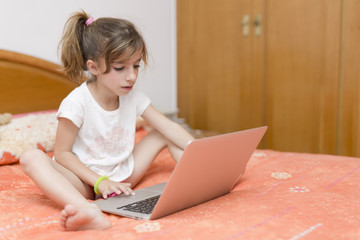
x=127, y=190
x=131, y=191
x=104, y=195
x=116, y=189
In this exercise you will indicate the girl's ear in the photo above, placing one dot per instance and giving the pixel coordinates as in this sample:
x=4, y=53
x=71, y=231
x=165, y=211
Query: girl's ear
x=93, y=67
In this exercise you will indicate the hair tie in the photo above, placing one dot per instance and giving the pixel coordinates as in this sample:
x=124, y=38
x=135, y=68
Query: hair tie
x=89, y=21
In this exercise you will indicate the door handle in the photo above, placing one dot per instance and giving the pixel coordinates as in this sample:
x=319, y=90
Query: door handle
x=257, y=25
x=245, y=25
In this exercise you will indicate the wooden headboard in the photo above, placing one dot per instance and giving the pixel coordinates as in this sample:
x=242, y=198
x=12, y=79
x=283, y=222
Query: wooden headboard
x=29, y=84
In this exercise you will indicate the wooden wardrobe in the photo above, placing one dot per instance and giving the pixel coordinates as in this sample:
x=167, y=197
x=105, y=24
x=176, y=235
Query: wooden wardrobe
x=292, y=65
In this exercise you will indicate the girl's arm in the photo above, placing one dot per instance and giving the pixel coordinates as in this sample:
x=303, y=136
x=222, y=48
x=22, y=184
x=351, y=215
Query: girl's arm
x=65, y=138
x=169, y=129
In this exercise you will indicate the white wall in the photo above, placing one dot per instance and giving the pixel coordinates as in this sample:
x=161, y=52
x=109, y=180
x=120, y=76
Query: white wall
x=34, y=27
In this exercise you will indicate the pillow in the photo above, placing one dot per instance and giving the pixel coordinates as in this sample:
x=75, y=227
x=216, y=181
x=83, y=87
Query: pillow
x=25, y=132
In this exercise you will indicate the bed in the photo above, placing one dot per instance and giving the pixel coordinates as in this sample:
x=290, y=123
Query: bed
x=282, y=195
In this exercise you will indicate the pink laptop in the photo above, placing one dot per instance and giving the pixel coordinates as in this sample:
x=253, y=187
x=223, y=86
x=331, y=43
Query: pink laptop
x=209, y=168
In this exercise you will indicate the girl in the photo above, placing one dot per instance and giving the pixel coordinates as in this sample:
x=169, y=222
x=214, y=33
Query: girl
x=94, y=149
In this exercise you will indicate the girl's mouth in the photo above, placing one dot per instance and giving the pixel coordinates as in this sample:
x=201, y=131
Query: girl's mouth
x=128, y=88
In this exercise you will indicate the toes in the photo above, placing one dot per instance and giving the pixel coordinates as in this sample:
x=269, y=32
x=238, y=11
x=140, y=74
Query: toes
x=70, y=210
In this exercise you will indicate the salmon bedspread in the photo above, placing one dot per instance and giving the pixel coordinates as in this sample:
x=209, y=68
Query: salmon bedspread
x=281, y=196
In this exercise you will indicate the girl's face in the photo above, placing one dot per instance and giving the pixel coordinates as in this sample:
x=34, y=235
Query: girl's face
x=122, y=75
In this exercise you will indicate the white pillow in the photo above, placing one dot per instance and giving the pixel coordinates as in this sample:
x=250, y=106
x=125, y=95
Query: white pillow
x=25, y=132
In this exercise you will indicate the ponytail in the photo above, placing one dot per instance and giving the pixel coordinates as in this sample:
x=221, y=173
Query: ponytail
x=72, y=55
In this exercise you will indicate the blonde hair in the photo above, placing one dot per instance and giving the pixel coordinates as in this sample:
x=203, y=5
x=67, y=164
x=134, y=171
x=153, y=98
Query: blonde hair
x=108, y=38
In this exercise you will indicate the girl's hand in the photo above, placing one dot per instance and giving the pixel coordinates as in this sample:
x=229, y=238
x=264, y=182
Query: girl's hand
x=108, y=187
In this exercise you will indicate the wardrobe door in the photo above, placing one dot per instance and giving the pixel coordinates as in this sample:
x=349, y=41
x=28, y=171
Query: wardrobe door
x=251, y=65
x=349, y=121
x=208, y=73
x=302, y=74
x=220, y=82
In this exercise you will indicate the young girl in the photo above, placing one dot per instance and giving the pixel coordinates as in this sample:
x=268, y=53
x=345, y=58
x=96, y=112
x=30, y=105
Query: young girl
x=94, y=148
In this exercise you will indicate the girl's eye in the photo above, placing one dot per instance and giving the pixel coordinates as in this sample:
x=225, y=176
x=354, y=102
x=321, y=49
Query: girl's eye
x=122, y=68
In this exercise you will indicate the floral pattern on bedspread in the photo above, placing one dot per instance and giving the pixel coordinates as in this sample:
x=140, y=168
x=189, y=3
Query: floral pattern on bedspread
x=281, y=196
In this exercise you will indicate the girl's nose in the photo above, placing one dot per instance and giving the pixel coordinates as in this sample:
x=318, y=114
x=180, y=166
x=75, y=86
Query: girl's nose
x=131, y=76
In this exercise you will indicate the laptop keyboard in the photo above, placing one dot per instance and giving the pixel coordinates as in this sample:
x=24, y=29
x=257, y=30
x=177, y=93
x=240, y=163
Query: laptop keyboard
x=145, y=206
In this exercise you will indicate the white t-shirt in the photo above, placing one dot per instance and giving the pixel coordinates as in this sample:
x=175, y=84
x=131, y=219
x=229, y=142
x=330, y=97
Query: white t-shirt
x=106, y=139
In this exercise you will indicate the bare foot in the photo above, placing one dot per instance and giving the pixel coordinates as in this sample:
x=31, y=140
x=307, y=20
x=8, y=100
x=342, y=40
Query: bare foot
x=73, y=218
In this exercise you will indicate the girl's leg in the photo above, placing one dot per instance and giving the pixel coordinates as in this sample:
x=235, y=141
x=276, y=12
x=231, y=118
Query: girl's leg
x=66, y=189
x=145, y=152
